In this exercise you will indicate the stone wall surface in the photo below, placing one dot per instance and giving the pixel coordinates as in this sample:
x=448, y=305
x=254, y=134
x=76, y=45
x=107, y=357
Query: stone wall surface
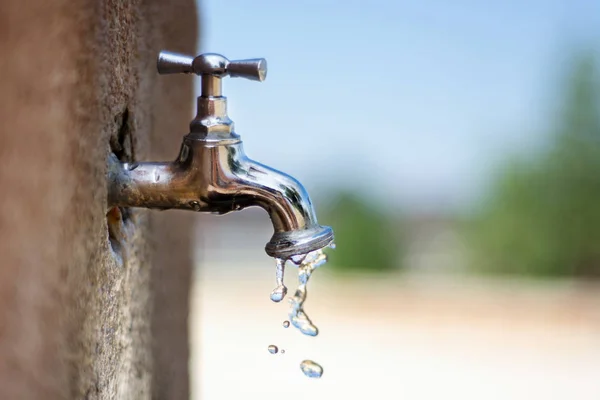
x=93, y=302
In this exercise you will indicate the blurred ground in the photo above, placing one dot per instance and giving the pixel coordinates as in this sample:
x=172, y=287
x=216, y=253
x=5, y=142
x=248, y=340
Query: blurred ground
x=416, y=337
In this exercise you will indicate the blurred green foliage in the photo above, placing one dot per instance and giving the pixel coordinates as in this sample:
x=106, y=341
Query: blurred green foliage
x=543, y=214
x=365, y=237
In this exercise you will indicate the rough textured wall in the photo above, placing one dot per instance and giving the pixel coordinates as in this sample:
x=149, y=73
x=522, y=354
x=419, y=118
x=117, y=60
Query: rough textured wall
x=84, y=313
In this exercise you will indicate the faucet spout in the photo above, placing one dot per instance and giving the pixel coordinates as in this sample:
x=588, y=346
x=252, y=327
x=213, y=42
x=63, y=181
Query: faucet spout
x=220, y=179
x=296, y=230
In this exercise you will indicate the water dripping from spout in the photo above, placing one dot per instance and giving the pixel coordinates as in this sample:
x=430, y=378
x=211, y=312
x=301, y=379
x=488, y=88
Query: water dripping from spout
x=280, y=291
x=306, y=263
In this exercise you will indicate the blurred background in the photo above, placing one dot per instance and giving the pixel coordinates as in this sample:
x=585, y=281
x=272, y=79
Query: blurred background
x=454, y=147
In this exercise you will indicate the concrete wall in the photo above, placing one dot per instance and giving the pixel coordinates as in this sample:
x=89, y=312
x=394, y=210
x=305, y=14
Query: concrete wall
x=93, y=304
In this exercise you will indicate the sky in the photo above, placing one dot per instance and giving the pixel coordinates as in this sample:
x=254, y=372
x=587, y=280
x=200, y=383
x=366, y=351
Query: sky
x=414, y=103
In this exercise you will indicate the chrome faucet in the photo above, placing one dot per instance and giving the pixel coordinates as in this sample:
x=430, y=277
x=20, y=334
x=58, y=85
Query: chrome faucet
x=212, y=173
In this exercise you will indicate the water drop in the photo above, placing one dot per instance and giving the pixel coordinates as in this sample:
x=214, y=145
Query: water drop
x=311, y=369
x=332, y=245
x=286, y=324
x=282, y=351
x=280, y=291
x=272, y=349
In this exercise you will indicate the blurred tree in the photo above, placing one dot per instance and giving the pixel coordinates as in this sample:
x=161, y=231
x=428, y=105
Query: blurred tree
x=543, y=216
x=365, y=237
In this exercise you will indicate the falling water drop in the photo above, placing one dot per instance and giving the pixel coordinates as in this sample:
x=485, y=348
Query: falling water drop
x=282, y=351
x=280, y=291
x=286, y=324
x=272, y=349
x=311, y=369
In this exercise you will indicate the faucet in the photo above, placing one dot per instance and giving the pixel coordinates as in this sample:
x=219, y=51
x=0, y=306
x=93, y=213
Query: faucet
x=212, y=173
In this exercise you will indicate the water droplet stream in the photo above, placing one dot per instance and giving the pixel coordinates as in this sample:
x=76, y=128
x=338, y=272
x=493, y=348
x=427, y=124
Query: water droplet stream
x=297, y=315
x=307, y=263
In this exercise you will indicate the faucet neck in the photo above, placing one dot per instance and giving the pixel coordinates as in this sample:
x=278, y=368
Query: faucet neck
x=212, y=124
x=211, y=121
x=211, y=86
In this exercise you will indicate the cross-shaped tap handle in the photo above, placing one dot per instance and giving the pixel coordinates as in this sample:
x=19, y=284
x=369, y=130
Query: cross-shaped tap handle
x=211, y=64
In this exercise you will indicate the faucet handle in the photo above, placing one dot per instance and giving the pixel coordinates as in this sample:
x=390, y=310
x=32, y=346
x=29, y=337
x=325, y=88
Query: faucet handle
x=211, y=64
x=254, y=69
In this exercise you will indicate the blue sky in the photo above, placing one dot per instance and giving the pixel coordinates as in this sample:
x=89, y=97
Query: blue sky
x=416, y=102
